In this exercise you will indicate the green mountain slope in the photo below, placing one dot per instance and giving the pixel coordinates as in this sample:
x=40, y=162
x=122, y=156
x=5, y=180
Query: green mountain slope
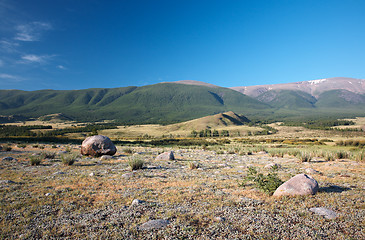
x=341, y=99
x=159, y=103
x=288, y=99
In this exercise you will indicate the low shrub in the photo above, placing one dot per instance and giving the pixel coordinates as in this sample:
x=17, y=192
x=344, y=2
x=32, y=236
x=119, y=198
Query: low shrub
x=135, y=163
x=193, y=165
x=267, y=183
x=128, y=150
x=341, y=155
x=68, y=159
x=304, y=157
x=329, y=157
x=35, y=160
x=48, y=155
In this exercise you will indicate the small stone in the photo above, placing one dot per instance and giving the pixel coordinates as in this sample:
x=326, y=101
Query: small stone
x=166, y=156
x=106, y=157
x=8, y=159
x=219, y=219
x=154, y=224
x=6, y=182
x=48, y=194
x=92, y=174
x=311, y=171
x=136, y=202
x=272, y=165
x=327, y=213
x=127, y=175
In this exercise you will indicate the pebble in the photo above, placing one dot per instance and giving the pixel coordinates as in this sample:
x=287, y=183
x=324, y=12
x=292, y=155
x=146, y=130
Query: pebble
x=154, y=224
x=6, y=182
x=220, y=219
x=106, y=157
x=327, y=213
x=8, y=159
x=312, y=171
x=137, y=202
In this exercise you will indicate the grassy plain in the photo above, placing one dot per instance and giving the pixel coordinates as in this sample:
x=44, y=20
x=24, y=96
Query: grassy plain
x=93, y=197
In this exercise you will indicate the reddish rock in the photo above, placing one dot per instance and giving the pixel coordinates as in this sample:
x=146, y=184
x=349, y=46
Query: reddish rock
x=300, y=184
x=97, y=146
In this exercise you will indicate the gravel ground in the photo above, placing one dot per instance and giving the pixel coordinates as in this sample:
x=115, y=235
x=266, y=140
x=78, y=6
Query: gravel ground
x=92, y=199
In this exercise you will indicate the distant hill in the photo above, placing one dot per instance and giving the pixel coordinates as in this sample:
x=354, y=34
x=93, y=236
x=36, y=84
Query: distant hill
x=214, y=121
x=167, y=103
x=158, y=103
x=56, y=117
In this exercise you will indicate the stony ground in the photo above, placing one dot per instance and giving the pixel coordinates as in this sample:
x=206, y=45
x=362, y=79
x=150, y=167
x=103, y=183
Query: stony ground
x=103, y=199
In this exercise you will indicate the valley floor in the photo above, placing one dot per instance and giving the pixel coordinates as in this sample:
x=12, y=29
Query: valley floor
x=92, y=199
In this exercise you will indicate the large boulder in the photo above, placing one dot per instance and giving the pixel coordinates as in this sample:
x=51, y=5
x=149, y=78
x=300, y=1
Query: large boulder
x=97, y=146
x=300, y=184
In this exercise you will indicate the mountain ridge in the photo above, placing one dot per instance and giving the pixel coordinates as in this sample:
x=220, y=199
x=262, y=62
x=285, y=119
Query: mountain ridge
x=180, y=101
x=313, y=87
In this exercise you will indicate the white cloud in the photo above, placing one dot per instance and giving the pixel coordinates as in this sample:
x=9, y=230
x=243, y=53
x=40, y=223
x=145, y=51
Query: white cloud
x=32, y=58
x=11, y=77
x=61, y=67
x=8, y=46
x=32, y=31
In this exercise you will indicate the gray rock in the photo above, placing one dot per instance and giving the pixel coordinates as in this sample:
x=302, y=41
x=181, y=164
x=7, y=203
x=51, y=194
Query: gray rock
x=154, y=224
x=8, y=159
x=272, y=165
x=327, y=213
x=106, y=157
x=127, y=175
x=312, y=171
x=97, y=146
x=137, y=202
x=6, y=182
x=300, y=184
x=166, y=156
x=219, y=219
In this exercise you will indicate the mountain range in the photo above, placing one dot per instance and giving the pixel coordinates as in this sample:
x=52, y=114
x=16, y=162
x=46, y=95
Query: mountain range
x=179, y=101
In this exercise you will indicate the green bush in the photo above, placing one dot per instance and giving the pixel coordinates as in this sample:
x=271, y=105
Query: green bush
x=267, y=183
x=135, y=163
x=35, y=160
x=193, y=165
x=128, y=150
x=68, y=159
x=49, y=155
x=341, y=155
x=304, y=157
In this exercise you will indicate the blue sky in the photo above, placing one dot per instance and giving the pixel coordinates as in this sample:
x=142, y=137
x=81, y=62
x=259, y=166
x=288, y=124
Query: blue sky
x=77, y=44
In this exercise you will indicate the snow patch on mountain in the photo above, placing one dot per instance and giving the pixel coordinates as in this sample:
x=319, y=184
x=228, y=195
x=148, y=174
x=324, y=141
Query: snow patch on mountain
x=315, y=82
